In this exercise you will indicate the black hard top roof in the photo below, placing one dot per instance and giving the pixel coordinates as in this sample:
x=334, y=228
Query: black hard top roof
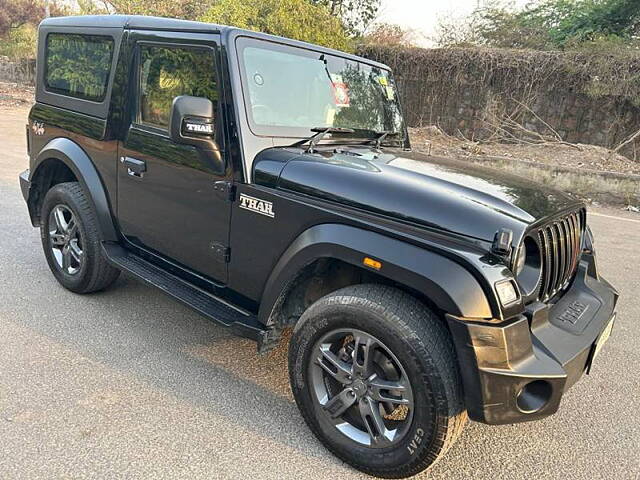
x=131, y=21
x=141, y=22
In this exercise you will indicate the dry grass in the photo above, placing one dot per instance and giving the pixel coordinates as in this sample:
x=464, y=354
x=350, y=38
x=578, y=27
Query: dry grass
x=557, y=165
x=588, y=157
x=15, y=95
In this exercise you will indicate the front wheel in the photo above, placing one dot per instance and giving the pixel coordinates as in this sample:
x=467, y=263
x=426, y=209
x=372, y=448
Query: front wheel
x=375, y=376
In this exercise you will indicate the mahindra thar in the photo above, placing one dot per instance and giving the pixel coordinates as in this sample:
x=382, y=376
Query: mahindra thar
x=269, y=184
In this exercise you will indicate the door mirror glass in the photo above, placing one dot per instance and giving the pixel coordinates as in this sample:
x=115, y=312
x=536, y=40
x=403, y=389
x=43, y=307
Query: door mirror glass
x=192, y=122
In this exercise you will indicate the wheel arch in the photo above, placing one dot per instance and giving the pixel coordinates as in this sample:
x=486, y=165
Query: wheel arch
x=436, y=280
x=64, y=160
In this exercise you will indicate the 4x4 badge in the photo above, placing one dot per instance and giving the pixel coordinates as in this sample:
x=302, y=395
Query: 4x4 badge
x=38, y=128
x=256, y=205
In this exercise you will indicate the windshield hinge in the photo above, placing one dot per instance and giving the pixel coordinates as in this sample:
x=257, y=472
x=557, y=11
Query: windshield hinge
x=225, y=190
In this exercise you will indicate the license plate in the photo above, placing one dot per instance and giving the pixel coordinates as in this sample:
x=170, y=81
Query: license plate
x=604, y=336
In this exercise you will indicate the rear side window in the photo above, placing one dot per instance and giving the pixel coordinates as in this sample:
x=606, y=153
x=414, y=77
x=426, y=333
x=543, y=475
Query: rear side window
x=168, y=72
x=78, y=65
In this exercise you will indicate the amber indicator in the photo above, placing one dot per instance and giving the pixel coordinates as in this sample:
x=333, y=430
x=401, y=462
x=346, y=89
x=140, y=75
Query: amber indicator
x=370, y=262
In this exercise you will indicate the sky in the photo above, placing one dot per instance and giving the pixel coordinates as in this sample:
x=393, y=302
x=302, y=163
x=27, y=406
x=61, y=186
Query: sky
x=422, y=15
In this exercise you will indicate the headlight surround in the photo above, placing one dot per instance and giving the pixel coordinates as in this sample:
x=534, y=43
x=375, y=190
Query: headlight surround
x=527, y=266
x=588, y=242
x=521, y=260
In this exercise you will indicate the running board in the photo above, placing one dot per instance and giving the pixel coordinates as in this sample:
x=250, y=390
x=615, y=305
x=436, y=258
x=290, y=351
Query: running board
x=241, y=323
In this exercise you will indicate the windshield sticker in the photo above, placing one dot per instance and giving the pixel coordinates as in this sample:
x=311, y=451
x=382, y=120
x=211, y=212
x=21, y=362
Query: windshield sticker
x=341, y=94
x=388, y=88
x=391, y=93
x=340, y=91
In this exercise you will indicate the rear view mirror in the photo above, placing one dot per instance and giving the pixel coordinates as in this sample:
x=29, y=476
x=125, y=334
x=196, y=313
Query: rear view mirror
x=192, y=122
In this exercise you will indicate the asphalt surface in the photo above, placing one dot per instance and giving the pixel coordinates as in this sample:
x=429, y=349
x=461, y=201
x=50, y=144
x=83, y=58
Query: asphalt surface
x=129, y=384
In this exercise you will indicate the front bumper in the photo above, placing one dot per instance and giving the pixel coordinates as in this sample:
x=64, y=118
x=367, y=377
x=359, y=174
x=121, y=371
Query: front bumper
x=518, y=371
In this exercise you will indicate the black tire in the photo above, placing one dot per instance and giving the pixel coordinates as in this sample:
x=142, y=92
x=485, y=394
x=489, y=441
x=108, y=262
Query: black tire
x=420, y=342
x=93, y=272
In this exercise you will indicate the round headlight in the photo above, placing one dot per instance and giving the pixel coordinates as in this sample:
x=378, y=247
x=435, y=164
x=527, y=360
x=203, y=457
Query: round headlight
x=528, y=266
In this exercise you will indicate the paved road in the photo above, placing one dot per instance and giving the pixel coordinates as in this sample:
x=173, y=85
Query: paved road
x=129, y=384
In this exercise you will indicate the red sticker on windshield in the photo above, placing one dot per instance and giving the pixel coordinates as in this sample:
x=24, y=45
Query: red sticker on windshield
x=341, y=94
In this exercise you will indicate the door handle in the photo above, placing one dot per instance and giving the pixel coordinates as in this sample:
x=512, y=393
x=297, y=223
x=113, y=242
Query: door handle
x=135, y=167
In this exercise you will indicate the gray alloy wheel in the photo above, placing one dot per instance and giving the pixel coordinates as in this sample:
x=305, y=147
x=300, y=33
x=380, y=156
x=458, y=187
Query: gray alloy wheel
x=66, y=240
x=374, y=373
x=362, y=387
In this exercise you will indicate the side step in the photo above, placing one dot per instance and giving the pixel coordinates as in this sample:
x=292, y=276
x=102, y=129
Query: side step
x=243, y=324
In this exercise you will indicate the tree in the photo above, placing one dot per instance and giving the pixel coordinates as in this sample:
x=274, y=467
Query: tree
x=16, y=13
x=355, y=15
x=185, y=9
x=297, y=19
x=546, y=24
x=584, y=20
x=388, y=34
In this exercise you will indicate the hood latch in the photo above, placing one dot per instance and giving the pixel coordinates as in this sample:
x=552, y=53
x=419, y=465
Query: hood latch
x=502, y=242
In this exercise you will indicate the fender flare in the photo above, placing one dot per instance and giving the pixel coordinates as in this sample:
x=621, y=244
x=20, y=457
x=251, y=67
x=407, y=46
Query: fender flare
x=70, y=153
x=449, y=285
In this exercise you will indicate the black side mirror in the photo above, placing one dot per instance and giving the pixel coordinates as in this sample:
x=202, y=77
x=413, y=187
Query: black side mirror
x=192, y=122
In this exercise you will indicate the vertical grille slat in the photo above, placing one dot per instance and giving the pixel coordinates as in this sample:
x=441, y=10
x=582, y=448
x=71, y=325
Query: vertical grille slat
x=545, y=250
x=560, y=243
x=555, y=259
x=572, y=243
x=568, y=248
x=562, y=240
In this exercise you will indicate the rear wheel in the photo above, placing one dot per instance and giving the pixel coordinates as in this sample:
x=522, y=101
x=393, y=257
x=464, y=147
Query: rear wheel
x=375, y=376
x=71, y=240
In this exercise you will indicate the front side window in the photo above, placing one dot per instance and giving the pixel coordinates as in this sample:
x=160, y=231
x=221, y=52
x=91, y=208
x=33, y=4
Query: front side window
x=168, y=72
x=78, y=65
x=289, y=90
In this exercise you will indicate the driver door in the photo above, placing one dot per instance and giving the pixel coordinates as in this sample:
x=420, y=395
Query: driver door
x=168, y=194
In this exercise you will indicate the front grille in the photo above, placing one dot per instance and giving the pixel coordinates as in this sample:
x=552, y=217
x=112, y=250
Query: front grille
x=560, y=243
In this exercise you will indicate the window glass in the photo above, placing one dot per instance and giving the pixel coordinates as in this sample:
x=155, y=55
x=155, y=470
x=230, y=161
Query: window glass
x=296, y=88
x=168, y=72
x=78, y=65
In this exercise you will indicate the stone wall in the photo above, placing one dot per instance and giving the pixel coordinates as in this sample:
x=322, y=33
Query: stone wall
x=471, y=91
x=18, y=71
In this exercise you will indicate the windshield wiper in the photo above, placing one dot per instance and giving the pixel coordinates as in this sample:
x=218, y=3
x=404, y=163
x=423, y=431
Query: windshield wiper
x=321, y=132
x=326, y=69
x=380, y=136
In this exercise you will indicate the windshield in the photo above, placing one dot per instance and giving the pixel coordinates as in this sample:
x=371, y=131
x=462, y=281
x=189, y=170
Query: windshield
x=290, y=90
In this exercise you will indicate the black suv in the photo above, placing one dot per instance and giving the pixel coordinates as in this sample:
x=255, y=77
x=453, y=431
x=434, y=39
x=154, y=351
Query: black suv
x=269, y=184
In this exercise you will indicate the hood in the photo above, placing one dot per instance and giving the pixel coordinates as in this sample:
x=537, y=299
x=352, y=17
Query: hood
x=450, y=195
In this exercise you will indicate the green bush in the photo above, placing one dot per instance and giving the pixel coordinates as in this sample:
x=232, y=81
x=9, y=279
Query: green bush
x=20, y=43
x=547, y=25
x=297, y=19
